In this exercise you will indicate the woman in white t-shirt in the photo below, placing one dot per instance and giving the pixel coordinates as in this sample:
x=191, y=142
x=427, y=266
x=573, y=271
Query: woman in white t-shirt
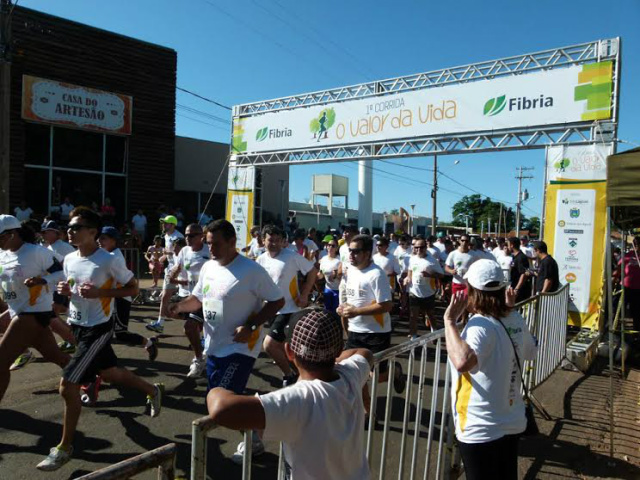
x=330, y=269
x=486, y=373
x=28, y=275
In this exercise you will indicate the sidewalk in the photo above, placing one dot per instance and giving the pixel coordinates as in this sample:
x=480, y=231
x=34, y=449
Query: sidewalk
x=576, y=441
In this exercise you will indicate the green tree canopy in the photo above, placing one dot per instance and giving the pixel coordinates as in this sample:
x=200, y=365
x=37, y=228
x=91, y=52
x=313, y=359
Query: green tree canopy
x=484, y=209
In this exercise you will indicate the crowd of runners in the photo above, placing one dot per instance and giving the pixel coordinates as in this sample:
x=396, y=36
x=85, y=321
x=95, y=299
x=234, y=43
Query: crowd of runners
x=72, y=280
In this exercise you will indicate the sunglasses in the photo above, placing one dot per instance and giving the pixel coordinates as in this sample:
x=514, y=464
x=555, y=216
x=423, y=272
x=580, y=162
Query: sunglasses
x=423, y=247
x=355, y=251
x=77, y=227
x=464, y=241
x=192, y=235
x=331, y=245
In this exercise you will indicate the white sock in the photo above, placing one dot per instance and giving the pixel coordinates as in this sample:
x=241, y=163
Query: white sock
x=149, y=343
x=160, y=321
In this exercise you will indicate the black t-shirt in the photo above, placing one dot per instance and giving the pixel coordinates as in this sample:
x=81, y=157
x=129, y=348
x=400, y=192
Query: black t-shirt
x=548, y=270
x=519, y=266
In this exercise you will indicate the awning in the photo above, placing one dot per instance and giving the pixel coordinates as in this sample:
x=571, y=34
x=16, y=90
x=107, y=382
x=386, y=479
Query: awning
x=623, y=188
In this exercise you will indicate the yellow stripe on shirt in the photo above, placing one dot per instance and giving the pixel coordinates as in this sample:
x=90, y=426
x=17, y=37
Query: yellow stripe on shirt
x=463, y=393
x=293, y=288
x=105, y=302
x=379, y=317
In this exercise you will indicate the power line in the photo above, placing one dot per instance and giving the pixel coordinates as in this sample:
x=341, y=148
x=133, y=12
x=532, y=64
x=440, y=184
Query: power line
x=277, y=43
x=204, y=114
x=202, y=98
x=202, y=121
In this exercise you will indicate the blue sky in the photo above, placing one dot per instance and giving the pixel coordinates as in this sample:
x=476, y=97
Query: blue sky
x=247, y=50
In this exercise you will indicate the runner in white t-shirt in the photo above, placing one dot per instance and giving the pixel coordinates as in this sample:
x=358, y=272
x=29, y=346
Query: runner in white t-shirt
x=255, y=233
x=320, y=419
x=506, y=262
x=92, y=278
x=403, y=254
x=458, y=262
x=171, y=235
x=367, y=306
x=50, y=233
x=424, y=270
x=237, y=297
x=330, y=271
x=190, y=261
x=348, y=233
x=312, y=246
x=283, y=266
x=28, y=275
x=387, y=262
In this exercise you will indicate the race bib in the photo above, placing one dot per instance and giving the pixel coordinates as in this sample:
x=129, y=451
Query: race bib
x=75, y=314
x=213, y=312
x=8, y=293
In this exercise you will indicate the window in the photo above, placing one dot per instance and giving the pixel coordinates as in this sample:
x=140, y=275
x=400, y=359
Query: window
x=116, y=154
x=77, y=149
x=37, y=144
x=37, y=193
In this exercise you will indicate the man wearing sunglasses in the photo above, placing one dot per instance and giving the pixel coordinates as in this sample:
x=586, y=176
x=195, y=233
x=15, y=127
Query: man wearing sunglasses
x=367, y=306
x=190, y=260
x=457, y=264
x=423, y=270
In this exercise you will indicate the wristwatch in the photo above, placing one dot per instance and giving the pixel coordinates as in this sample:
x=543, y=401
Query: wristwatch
x=253, y=327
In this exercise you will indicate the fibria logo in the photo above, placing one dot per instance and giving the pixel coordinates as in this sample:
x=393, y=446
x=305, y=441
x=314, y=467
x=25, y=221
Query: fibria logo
x=266, y=132
x=494, y=106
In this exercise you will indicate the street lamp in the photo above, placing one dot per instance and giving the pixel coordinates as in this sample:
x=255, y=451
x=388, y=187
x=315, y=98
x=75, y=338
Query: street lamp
x=412, y=207
x=466, y=221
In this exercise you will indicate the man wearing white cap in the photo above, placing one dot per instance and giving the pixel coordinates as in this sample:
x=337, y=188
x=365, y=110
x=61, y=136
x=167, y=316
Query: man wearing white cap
x=318, y=416
x=486, y=372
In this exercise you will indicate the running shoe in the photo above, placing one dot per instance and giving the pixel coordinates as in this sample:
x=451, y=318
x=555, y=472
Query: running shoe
x=66, y=347
x=24, y=359
x=196, y=368
x=57, y=457
x=399, y=381
x=90, y=392
x=152, y=350
x=154, y=404
x=257, y=448
x=155, y=327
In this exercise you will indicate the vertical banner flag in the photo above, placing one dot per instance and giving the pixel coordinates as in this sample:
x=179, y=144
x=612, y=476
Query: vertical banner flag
x=240, y=191
x=575, y=225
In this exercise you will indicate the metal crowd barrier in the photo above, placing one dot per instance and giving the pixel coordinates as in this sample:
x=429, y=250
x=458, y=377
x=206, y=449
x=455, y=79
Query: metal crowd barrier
x=413, y=438
x=546, y=316
x=162, y=458
x=132, y=259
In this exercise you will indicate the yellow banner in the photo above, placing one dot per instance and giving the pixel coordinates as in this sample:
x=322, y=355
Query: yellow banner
x=240, y=213
x=575, y=232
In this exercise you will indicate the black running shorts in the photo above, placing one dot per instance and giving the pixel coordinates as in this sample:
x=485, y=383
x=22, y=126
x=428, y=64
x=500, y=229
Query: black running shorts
x=93, y=353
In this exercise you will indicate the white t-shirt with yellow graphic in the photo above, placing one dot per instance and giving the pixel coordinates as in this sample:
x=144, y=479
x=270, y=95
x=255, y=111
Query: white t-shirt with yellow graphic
x=102, y=270
x=390, y=265
x=365, y=287
x=15, y=267
x=230, y=295
x=487, y=401
x=283, y=270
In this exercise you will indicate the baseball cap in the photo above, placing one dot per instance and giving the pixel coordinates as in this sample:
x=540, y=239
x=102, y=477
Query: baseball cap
x=317, y=337
x=110, y=232
x=49, y=225
x=169, y=219
x=441, y=235
x=9, y=222
x=327, y=238
x=485, y=275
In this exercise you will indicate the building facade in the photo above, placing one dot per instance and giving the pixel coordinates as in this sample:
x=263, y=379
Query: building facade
x=91, y=117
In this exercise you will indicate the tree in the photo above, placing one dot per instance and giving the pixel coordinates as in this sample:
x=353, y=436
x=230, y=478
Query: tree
x=395, y=211
x=481, y=210
x=532, y=224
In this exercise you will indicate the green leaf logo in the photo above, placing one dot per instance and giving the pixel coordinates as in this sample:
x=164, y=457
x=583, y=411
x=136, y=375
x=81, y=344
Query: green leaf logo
x=562, y=164
x=1, y=270
x=262, y=134
x=71, y=282
x=495, y=105
x=205, y=289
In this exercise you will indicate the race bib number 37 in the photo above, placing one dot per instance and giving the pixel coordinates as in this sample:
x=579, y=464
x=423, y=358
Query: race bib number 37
x=213, y=312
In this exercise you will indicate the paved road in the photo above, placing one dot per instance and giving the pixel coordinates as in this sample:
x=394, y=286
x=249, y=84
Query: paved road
x=116, y=429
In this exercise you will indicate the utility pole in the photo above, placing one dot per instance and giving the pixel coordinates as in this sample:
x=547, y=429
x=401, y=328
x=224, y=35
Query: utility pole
x=521, y=177
x=434, y=195
x=5, y=101
x=412, y=217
